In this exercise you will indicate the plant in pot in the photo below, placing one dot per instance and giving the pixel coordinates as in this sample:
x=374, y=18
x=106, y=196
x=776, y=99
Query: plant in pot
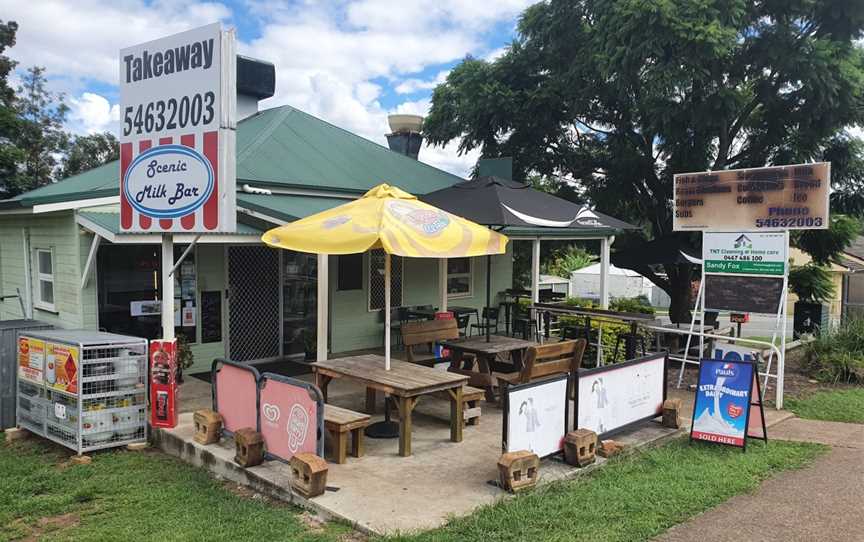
x=814, y=287
x=185, y=359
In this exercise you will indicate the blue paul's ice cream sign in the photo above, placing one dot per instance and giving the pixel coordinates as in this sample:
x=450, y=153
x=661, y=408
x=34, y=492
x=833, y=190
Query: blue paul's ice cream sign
x=723, y=398
x=168, y=181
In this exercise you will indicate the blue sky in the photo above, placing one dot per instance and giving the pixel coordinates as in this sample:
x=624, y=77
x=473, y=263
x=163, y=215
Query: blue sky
x=348, y=62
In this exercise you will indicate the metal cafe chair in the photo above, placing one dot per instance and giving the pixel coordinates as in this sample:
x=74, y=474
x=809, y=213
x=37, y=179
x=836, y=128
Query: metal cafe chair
x=490, y=314
x=462, y=322
x=631, y=341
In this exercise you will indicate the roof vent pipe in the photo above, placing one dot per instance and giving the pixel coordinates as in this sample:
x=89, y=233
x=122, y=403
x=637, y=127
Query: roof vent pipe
x=405, y=137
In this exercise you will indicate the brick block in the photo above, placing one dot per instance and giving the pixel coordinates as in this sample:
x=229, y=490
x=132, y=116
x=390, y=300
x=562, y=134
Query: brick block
x=208, y=426
x=249, y=447
x=309, y=474
x=518, y=471
x=672, y=413
x=580, y=447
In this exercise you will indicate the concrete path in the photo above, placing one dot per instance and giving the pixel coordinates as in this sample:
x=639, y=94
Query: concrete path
x=822, y=502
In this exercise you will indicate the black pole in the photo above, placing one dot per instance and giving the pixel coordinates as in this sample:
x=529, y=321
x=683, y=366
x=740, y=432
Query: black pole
x=488, y=293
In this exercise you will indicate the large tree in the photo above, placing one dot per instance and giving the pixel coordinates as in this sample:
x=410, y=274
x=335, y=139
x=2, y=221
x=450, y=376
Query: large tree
x=88, y=151
x=614, y=97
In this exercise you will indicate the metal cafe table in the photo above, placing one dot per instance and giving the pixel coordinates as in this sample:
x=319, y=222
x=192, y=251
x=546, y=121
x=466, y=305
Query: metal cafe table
x=487, y=353
x=406, y=382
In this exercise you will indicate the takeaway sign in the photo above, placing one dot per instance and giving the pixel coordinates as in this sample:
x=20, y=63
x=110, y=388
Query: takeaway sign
x=745, y=253
x=765, y=199
x=177, y=140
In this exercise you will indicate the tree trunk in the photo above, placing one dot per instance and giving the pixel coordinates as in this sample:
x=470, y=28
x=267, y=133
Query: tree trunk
x=680, y=292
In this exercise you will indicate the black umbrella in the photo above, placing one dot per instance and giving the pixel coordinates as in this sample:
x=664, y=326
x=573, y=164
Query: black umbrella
x=500, y=203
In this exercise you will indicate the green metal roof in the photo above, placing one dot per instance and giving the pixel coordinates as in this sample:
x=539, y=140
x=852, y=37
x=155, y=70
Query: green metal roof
x=111, y=221
x=287, y=207
x=279, y=148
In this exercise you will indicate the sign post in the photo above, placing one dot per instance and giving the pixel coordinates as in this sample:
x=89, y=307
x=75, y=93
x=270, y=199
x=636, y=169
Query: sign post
x=744, y=262
x=177, y=141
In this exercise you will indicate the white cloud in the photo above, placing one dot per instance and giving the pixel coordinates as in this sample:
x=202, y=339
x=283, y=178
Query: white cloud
x=410, y=86
x=92, y=113
x=332, y=57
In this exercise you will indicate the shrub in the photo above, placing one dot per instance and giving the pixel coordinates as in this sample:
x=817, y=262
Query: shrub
x=837, y=355
x=811, y=283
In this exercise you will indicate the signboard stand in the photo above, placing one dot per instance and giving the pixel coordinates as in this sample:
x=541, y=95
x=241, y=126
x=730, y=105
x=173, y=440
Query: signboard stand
x=743, y=267
x=726, y=392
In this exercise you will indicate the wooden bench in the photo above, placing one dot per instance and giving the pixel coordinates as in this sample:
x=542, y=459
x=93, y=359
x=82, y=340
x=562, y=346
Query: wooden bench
x=425, y=333
x=471, y=400
x=546, y=360
x=339, y=422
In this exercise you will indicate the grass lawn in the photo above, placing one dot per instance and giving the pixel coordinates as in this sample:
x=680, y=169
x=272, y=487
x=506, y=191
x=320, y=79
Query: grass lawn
x=133, y=496
x=846, y=405
x=635, y=498
x=149, y=496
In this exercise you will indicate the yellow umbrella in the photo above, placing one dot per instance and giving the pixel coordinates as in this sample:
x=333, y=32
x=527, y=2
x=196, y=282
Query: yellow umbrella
x=395, y=221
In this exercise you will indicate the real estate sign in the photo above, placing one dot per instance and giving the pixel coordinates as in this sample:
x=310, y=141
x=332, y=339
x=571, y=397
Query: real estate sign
x=764, y=199
x=750, y=253
x=177, y=140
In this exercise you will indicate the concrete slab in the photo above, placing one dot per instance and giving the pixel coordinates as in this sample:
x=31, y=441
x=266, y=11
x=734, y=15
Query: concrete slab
x=846, y=435
x=382, y=492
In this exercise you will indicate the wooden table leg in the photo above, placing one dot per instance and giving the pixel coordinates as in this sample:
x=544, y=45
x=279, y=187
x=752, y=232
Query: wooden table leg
x=340, y=446
x=484, y=368
x=406, y=405
x=322, y=381
x=370, y=400
x=456, y=421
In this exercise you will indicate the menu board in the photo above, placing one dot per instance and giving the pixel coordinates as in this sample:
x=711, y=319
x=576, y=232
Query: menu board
x=763, y=199
x=743, y=293
x=211, y=316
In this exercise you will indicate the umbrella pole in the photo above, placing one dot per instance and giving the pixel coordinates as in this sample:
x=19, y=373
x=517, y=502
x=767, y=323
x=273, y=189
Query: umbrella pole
x=488, y=293
x=386, y=428
x=387, y=308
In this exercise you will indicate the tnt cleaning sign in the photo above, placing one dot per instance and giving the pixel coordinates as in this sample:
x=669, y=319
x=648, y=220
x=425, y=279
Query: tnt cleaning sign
x=177, y=139
x=750, y=253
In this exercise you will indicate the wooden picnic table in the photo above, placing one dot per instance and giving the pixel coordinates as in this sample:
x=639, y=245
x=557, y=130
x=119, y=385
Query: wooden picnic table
x=404, y=381
x=487, y=362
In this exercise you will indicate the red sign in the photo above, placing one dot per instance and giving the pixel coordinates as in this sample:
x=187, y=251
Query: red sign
x=163, y=383
x=739, y=317
x=289, y=418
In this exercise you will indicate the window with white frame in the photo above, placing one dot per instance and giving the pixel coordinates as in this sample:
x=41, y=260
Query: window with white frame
x=459, y=283
x=45, y=279
x=376, y=280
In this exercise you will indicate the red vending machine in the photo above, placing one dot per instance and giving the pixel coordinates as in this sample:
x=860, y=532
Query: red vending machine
x=163, y=383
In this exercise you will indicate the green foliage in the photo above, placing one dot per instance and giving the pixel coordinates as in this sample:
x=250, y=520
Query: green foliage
x=88, y=152
x=185, y=359
x=837, y=355
x=565, y=261
x=846, y=405
x=811, y=283
x=825, y=246
x=608, y=330
x=616, y=97
x=632, y=498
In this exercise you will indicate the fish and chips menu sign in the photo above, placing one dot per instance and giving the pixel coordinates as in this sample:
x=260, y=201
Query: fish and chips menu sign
x=177, y=135
x=750, y=253
x=764, y=199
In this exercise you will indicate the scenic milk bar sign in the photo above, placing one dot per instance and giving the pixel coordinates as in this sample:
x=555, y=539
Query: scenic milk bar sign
x=769, y=198
x=751, y=253
x=177, y=140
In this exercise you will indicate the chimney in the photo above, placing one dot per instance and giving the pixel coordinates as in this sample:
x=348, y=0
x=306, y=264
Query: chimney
x=256, y=81
x=405, y=137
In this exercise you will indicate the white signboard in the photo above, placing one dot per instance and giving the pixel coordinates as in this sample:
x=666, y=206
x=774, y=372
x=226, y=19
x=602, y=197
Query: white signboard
x=746, y=253
x=615, y=396
x=177, y=136
x=536, y=417
x=775, y=198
